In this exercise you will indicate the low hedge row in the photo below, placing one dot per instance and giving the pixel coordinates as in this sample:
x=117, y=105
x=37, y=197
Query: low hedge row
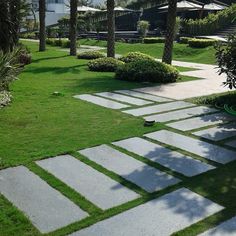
x=154, y=40
x=64, y=43
x=201, y=43
x=184, y=40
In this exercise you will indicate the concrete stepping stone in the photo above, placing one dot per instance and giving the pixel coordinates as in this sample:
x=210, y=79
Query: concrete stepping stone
x=101, y=101
x=227, y=228
x=203, y=121
x=144, y=96
x=123, y=98
x=231, y=143
x=92, y=184
x=180, y=114
x=143, y=175
x=218, y=133
x=163, y=156
x=198, y=147
x=159, y=108
x=46, y=208
x=162, y=216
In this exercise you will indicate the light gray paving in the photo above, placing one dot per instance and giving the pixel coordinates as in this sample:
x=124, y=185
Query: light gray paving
x=101, y=101
x=203, y=121
x=170, y=159
x=180, y=114
x=144, y=96
x=227, y=228
x=232, y=143
x=47, y=209
x=93, y=185
x=159, y=108
x=143, y=175
x=198, y=147
x=218, y=133
x=162, y=216
x=123, y=98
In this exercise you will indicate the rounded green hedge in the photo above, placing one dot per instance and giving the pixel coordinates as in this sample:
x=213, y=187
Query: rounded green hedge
x=154, y=40
x=90, y=55
x=147, y=71
x=201, y=43
x=134, y=56
x=184, y=40
x=106, y=64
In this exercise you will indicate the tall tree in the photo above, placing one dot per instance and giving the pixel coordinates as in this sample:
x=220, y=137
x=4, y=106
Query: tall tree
x=73, y=27
x=110, y=28
x=170, y=32
x=42, y=26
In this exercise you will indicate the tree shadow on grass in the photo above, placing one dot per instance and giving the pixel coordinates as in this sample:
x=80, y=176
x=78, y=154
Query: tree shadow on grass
x=48, y=58
x=55, y=70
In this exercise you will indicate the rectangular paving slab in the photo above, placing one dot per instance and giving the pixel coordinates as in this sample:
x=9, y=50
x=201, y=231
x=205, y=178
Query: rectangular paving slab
x=162, y=216
x=198, y=147
x=170, y=159
x=203, y=121
x=218, y=133
x=101, y=101
x=123, y=98
x=92, y=184
x=46, y=208
x=227, y=228
x=143, y=175
x=144, y=96
x=180, y=114
x=231, y=143
x=159, y=108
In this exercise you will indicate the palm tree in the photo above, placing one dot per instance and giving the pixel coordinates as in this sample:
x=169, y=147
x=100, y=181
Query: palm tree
x=42, y=27
x=110, y=28
x=170, y=31
x=73, y=27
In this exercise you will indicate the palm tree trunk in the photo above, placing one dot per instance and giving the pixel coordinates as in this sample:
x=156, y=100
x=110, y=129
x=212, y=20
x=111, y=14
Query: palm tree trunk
x=170, y=32
x=110, y=28
x=15, y=19
x=73, y=27
x=42, y=26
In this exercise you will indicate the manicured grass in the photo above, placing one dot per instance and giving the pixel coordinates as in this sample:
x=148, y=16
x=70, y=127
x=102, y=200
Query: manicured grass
x=38, y=125
x=182, y=52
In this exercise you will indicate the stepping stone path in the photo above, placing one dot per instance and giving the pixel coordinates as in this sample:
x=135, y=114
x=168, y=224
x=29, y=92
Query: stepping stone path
x=101, y=101
x=162, y=216
x=227, y=228
x=47, y=209
x=200, y=148
x=231, y=143
x=159, y=108
x=180, y=114
x=123, y=98
x=147, y=177
x=144, y=96
x=218, y=133
x=203, y=121
x=163, y=156
x=93, y=185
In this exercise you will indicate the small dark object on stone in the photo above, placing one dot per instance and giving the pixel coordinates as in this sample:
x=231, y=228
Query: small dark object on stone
x=149, y=123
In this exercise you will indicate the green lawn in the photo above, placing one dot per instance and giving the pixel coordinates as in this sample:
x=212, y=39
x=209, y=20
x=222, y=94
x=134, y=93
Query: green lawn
x=38, y=125
x=182, y=52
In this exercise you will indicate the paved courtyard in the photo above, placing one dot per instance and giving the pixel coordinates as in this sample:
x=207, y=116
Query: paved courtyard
x=115, y=175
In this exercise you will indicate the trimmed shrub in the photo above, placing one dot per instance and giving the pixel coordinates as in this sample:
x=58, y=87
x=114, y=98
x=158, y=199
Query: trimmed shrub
x=154, y=40
x=184, y=40
x=50, y=41
x=201, y=43
x=57, y=42
x=147, y=71
x=90, y=55
x=65, y=43
x=135, y=56
x=107, y=64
